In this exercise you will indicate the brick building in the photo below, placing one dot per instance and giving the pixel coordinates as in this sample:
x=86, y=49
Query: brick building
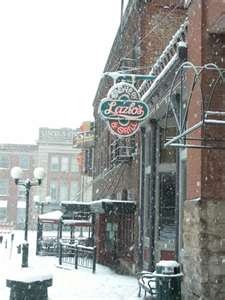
x=183, y=148
x=12, y=198
x=146, y=29
x=203, y=232
x=54, y=152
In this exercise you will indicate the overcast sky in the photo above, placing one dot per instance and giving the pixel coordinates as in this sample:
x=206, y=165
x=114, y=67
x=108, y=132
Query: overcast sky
x=52, y=56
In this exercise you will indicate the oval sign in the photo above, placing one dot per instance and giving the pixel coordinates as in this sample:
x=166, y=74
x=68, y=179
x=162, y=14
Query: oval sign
x=123, y=109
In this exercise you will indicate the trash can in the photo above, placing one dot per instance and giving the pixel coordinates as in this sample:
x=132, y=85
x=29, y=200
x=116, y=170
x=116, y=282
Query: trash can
x=168, y=280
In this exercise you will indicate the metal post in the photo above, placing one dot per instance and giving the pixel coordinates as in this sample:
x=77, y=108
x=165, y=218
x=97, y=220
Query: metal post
x=25, y=246
x=42, y=207
x=60, y=253
x=27, y=187
x=76, y=257
x=94, y=259
x=141, y=202
x=16, y=174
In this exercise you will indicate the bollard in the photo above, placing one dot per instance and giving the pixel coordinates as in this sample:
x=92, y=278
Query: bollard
x=19, y=249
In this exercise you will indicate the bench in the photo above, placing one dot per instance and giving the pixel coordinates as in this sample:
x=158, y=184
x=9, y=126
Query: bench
x=147, y=282
x=29, y=285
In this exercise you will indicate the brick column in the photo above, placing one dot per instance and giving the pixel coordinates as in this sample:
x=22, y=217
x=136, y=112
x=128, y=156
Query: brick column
x=204, y=209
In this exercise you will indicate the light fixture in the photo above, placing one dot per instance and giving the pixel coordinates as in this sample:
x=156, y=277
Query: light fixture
x=17, y=174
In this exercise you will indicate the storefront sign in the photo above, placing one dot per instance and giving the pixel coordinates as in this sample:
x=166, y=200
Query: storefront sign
x=123, y=110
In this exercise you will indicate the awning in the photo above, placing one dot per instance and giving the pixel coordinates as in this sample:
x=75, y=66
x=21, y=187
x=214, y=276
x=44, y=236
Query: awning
x=77, y=210
x=108, y=206
x=83, y=223
x=51, y=217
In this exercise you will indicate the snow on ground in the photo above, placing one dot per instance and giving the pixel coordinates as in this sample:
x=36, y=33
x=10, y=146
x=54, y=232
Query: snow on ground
x=67, y=284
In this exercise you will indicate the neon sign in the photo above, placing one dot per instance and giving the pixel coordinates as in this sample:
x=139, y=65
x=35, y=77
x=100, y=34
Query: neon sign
x=123, y=110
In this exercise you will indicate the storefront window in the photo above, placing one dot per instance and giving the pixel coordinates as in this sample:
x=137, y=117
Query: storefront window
x=111, y=236
x=167, y=206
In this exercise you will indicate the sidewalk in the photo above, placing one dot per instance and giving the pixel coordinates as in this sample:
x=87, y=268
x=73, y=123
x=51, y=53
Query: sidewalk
x=67, y=284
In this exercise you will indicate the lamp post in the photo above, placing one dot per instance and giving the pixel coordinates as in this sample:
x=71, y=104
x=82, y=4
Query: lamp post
x=17, y=174
x=42, y=203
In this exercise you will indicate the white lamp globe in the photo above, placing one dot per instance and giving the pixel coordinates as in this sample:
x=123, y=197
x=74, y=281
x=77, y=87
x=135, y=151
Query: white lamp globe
x=39, y=173
x=48, y=199
x=16, y=173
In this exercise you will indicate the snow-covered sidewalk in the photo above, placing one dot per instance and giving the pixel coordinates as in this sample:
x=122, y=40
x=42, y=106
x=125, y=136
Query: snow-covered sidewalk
x=67, y=284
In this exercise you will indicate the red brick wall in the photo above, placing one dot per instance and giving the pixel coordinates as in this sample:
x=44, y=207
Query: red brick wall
x=205, y=168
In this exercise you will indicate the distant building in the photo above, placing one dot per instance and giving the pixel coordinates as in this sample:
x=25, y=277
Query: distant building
x=84, y=140
x=12, y=197
x=54, y=152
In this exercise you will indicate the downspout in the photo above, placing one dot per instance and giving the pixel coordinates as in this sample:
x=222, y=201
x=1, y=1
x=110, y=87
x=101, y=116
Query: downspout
x=141, y=200
x=152, y=199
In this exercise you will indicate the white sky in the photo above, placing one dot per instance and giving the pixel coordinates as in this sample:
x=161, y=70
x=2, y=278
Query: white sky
x=52, y=56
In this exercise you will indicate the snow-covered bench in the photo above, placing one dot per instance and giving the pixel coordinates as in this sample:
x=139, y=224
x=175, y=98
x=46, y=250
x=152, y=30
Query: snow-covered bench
x=147, y=282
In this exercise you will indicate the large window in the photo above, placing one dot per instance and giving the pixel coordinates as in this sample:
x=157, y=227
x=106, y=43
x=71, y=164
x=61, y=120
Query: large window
x=167, y=206
x=20, y=218
x=54, y=191
x=4, y=161
x=24, y=162
x=3, y=214
x=21, y=192
x=3, y=210
x=55, y=163
x=65, y=164
x=4, y=187
x=74, y=189
x=64, y=191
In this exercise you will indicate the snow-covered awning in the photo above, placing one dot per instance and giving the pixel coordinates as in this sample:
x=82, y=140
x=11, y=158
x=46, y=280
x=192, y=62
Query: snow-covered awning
x=83, y=223
x=51, y=217
x=103, y=206
x=75, y=210
x=108, y=206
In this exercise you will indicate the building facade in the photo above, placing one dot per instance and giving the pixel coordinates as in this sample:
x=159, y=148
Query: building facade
x=146, y=28
x=54, y=152
x=176, y=174
x=12, y=198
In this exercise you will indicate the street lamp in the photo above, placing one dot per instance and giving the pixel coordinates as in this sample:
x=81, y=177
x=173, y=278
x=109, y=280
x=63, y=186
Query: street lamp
x=43, y=202
x=17, y=174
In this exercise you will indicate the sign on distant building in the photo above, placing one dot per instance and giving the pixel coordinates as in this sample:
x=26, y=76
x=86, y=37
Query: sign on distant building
x=55, y=136
x=123, y=110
